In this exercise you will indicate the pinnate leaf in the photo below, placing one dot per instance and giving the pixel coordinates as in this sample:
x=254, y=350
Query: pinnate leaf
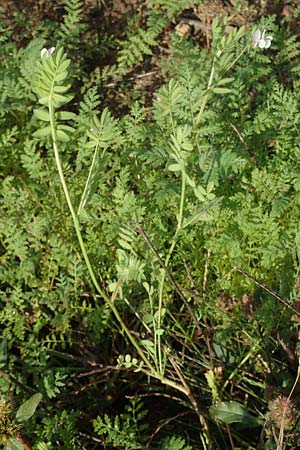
x=42, y=114
x=42, y=132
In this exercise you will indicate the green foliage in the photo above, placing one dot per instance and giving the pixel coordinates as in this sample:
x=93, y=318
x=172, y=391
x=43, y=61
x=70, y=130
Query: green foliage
x=139, y=42
x=59, y=429
x=72, y=26
x=175, y=443
x=154, y=254
x=10, y=426
x=52, y=90
x=27, y=409
x=172, y=7
x=124, y=430
x=101, y=135
x=233, y=412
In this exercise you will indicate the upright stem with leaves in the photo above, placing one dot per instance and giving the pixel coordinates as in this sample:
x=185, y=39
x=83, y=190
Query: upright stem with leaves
x=53, y=94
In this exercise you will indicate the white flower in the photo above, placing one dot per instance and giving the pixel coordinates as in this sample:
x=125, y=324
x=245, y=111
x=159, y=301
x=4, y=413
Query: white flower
x=259, y=39
x=46, y=53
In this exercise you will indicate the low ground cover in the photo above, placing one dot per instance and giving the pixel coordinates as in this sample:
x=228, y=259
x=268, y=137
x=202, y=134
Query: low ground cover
x=149, y=225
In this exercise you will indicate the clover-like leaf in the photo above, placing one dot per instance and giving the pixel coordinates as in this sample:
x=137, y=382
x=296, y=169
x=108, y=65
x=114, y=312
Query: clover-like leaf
x=42, y=132
x=42, y=114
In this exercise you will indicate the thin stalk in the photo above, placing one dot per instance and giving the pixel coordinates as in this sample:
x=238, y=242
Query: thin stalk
x=205, y=98
x=203, y=105
x=174, y=240
x=84, y=195
x=151, y=370
x=236, y=59
x=209, y=85
x=82, y=246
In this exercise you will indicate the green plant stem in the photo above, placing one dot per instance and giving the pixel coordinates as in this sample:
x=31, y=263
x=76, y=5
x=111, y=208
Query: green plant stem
x=151, y=370
x=82, y=246
x=84, y=195
x=209, y=85
x=236, y=59
x=203, y=105
x=171, y=249
x=205, y=98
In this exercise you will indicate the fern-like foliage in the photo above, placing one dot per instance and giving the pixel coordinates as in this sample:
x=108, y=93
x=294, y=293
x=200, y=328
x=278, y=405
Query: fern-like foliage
x=33, y=162
x=210, y=172
x=101, y=135
x=174, y=443
x=288, y=56
x=72, y=26
x=124, y=430
x=28, y=63
x=62, y=428
x=172, y=7
x=89, y=106
x=139, y=42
